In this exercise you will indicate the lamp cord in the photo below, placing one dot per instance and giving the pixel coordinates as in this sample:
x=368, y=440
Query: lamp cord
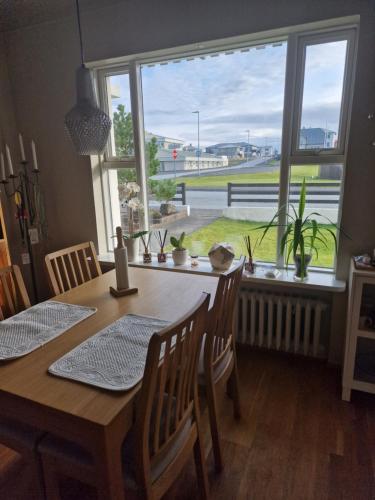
x=80, y=32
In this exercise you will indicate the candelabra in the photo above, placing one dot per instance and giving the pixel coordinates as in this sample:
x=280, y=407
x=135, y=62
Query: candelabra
x=25, y=191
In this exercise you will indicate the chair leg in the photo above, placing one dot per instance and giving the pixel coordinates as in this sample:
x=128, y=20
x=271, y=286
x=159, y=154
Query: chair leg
x=235, y=389
x=37, y=487
x=200, y=464
x=51, y=481
x=212, y=413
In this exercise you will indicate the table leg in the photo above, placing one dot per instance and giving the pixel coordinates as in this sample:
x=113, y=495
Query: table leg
x=109, y=467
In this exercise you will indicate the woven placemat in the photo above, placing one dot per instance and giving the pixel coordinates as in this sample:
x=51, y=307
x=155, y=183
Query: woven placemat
x=34, y=327
x=114, y=358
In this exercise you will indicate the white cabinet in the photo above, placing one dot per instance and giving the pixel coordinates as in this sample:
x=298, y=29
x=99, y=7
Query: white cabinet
x=359, y=363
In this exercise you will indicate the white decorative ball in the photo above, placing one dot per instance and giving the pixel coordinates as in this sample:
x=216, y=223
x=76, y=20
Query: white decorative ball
x=221, y=256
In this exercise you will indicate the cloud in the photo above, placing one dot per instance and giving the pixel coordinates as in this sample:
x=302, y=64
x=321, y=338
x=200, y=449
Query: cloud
x=237, y=92
x=322, y=115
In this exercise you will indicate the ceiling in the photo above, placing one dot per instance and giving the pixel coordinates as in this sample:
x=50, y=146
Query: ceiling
x=16, y=14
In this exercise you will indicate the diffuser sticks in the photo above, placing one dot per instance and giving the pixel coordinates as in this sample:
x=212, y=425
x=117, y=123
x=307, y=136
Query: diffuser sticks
x=147, y=259
x=162, y=257
x=249, y=266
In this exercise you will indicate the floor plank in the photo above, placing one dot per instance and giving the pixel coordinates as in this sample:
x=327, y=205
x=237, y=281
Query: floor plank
x=296, y=441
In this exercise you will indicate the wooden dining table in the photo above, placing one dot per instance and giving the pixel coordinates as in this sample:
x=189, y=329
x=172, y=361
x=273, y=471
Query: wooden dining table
x=94, y=418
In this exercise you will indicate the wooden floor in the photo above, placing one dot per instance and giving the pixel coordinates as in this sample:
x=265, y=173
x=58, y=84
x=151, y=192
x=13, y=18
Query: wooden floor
x=296, y=441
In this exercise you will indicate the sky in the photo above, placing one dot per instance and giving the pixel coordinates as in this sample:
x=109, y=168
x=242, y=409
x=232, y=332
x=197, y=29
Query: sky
x=237, y=92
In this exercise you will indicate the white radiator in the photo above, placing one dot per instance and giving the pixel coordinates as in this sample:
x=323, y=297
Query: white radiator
x=282, y=322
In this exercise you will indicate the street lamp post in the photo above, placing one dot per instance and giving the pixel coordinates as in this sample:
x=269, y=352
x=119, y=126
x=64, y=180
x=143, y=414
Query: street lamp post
x=199, y=151
x=248, y=144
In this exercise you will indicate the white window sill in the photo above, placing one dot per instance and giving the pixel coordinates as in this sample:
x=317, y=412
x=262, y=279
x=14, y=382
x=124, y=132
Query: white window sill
x=317, y=280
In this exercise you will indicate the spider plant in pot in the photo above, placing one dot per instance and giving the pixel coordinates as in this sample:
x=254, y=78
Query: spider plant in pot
x=179, y=253
x=301, y=235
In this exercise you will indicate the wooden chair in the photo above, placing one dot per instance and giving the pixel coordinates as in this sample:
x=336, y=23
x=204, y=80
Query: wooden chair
x=167, y=423
x=24, y=440
x=72, y=266
x=13, y=292
x=13, y=472
x=17, y=437
x=218, y=362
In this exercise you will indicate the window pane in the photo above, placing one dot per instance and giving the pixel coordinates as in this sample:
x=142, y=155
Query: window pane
x=118, y=91
x=323, y=190
x=322, y=95
x=210, y=122
x=120, y=214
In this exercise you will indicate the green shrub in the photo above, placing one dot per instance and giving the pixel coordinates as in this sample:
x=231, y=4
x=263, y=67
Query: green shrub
x=165, y=190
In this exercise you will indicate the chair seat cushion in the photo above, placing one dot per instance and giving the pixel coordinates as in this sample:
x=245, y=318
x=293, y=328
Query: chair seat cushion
x=219, y=368
x=158, y=466
x=63, y=449
x=18, y=436
x=10, y=464
x=68, y=451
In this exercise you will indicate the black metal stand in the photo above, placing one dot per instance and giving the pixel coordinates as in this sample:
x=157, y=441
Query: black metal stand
x=26, y=212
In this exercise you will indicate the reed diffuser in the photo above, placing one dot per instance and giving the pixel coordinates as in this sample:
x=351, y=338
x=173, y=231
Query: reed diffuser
x=147, y=259
x=249, y=266
x=162, y=256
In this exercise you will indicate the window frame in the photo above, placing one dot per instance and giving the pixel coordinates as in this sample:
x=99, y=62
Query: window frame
x=297, y=39
x=331, y=155
x=111, y=160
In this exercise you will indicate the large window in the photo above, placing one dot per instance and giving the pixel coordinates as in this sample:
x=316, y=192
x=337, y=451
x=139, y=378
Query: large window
x=216, y=121
x=224, y=138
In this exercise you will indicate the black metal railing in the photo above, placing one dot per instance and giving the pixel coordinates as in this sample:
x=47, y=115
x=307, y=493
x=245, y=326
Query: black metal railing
x=180, y=193
x=316, y=192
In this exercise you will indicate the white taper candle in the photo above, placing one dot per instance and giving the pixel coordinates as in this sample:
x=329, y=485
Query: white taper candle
x=10, y=165
x=23, y=157
x=34, y=155
x=3, y=174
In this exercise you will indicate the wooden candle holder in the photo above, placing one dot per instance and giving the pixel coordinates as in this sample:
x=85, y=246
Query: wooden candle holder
x=123, y=292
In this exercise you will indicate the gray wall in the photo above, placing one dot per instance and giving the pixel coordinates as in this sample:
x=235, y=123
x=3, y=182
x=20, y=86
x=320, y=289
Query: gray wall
x=8, y=136
x=42, y=61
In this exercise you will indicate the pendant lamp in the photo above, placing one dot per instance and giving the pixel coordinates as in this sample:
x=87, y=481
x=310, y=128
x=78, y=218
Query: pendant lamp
x=87, y=125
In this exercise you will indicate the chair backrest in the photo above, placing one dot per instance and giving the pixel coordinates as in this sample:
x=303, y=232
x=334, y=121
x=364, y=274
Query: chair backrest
x=221, y=319
x=169, y=396
x=72, y=266
x=14, y=297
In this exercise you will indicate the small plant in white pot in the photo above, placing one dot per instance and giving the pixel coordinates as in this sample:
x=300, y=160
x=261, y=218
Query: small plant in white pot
x=179, y=253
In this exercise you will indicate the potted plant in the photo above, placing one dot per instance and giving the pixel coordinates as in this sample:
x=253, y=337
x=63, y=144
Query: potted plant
x=128, y=194
x=301, y=235
x=179, y=253
x=164, y=192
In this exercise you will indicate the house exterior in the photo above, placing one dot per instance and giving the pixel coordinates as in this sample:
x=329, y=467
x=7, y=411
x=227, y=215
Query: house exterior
x=188, y=160
x=233, y=150
x=266, y=151
x=316, y=138
x=164, y=142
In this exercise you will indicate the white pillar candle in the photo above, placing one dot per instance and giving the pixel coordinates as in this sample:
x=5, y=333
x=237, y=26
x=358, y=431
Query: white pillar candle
x=23, y=157
x=34, y=155
x=3, y=174
x=10, y=166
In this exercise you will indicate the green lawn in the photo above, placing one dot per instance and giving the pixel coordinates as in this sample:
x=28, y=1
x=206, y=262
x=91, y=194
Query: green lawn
x=310, y=172
x=229, y=230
